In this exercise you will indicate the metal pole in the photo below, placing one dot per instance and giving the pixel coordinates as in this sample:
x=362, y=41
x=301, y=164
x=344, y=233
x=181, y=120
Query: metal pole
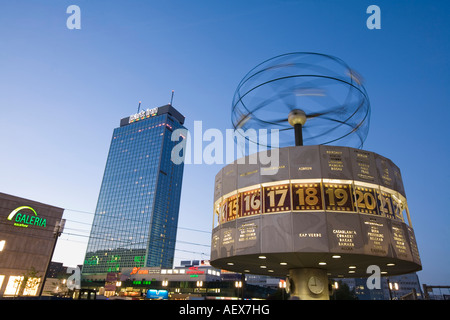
x=44, y=277
x=56, y=233
x=298, y=134
x=243, y=285
x=171, y=99
x=389, y=288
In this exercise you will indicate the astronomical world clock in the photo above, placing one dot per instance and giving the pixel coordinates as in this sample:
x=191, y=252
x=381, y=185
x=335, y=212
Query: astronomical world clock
x=325, y=210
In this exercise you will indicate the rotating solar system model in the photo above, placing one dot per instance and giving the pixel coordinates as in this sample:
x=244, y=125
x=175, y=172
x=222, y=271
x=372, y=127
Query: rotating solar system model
x=328, y=209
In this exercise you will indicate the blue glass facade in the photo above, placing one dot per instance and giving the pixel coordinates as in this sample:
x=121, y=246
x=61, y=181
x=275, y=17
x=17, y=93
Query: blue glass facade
x=136, y=217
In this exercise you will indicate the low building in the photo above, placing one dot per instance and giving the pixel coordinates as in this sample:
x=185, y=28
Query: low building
x=28, y=235
x=401, y=287
x=189, y=281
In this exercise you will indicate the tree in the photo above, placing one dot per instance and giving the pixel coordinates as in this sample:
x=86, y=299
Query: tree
x=28, y=283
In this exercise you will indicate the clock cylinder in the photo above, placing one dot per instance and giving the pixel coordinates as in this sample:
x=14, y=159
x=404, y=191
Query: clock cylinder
x=338, y=209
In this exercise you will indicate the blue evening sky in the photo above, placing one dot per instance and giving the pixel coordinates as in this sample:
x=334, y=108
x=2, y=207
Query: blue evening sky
x=62, y=92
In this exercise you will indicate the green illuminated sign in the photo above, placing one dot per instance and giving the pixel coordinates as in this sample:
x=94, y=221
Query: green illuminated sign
x=24, y=220
x=142, y=282
x=92, y=261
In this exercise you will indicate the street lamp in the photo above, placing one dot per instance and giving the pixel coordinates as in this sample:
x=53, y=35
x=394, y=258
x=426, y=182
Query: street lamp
x=238, y=285
x=335, y=287
x=282, y=286
x=392, y=286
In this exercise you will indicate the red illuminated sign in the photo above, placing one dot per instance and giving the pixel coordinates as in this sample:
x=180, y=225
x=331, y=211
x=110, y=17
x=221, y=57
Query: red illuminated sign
x=194, y=270
x=137, y=270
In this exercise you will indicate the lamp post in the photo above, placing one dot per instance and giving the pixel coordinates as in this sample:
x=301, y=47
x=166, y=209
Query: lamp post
x=392, y=286
x=297, y=119
x=335, y=287
x=282, y=286
x=57, y=231
x=238, y=285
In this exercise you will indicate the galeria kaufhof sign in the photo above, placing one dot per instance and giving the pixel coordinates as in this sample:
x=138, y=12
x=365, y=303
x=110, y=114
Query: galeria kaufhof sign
x=25, y=216
x=322, y=199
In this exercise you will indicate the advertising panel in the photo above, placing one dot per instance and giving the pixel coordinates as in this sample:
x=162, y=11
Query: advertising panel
x=248, y=236
x=276, y=233
x=376, y=235
x=229, y=178
x=304, y=163
x=157, y=294
x=363, y=166
x=310, y=232
x=218, y=186
x=227, y=239
x=399, y=240
x=335, y=163
x=344, y=233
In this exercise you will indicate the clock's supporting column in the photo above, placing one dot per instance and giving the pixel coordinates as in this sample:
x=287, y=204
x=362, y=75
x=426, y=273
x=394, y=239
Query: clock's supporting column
x=308, y=284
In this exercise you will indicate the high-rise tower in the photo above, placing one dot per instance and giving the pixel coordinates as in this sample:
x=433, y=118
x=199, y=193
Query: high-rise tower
x=136, y=217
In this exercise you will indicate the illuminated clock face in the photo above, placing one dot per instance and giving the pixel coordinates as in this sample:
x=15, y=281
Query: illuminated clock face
x=315, y=285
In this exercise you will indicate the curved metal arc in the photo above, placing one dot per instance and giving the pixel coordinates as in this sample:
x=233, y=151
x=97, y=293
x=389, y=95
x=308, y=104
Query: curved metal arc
x=15, y=211
x=296, y=53
x=352, y=83
x=299, y=76
x=338, y=60
x=345, y=122
x=246, y=79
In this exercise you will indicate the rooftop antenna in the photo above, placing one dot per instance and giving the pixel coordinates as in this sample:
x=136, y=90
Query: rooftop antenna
x=171, y=99
x=139, y=106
